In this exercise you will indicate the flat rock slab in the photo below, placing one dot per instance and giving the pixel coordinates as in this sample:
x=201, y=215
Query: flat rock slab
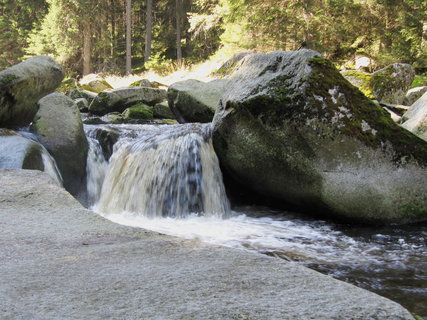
x=61, y=261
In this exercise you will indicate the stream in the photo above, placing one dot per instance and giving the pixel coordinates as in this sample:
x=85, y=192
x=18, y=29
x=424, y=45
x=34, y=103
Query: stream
x=167, y=179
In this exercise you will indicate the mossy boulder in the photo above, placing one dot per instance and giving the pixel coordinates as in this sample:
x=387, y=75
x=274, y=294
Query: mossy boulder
x=194, y=100
x=58, y=126
x=388, y=85
x=22, y=85
x=290, y=126
x=82, y=94
x=415, y=119
x=162, y=111
x=228, y=67
x=97, y=85
x=142, y=83
x=118, y=100
x=17, y=152
x=113, y=118
x=138, y=112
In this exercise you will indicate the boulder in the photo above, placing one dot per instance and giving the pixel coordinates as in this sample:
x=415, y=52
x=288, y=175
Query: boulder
x=17, y=152
x=142, y=83
x=106, y=137
x=118, y=100
x=414, y=94
x=82, y=104
x=227, y=67
x=291, y=127
x=137, y=113
x=96, y=85
x=59, y=128
x=162, y=111
x=195, y=101
x=113, y=118
x=22, y=85
x=388, y=85
x=415, y=119
x=82, y=94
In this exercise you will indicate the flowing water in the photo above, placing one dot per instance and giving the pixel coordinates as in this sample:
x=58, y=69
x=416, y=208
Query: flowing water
x=167, y=179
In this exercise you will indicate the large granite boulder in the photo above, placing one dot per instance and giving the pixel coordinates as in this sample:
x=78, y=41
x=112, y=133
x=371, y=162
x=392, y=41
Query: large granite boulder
x=194, y=100
x=22, y=85
x=118, y=100
x=415, y=119
x=290, y=126
x=59, y=128
x=388, y=85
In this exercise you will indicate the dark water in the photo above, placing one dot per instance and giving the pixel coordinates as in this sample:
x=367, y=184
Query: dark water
x=390, y=261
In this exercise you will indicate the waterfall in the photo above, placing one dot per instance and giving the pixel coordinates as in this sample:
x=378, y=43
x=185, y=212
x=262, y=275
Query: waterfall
x=96, y=168
x=163, y=171
x=50, y=167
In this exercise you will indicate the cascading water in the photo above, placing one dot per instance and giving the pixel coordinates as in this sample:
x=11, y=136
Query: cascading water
x=169, y=173
x=160, y=173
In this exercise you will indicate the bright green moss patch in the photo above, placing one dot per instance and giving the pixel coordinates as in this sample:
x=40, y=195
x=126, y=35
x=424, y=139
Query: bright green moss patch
x=365, y=82
x=138, y=112
x=419, y=81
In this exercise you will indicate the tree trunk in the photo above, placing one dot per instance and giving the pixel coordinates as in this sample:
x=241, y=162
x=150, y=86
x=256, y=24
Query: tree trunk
x=178, y=32
x=148, y=30
x=113, y=28
x=87, y=47
x=128, y=36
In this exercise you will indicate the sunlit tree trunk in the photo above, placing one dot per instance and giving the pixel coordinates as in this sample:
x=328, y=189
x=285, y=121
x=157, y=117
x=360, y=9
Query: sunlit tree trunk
x=178, y=32
x=87, y=47
x=148, y=30
x=128, y=36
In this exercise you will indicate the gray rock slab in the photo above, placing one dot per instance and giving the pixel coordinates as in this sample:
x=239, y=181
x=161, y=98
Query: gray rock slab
x=61, y=261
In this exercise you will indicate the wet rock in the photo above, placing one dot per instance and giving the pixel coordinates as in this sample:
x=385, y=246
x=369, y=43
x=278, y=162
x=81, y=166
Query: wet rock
x=162, y=111
x=82, y=104
x=59, y=128
x=22, y=85
x=123, y=271
x=17, y=152
x=290, y=126
x=195, y=101
x=118, y=100
x=138, y=112
x=82, y=94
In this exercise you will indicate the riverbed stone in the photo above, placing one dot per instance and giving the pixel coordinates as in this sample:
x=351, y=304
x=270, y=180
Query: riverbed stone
x=96, y=85
x=118, y=100
x=162, y=111
x=139, y=112
x=22, y=85
x=290, y=127
x=61, y=261
x=194, y=100
x=59, y=127
x=387, y=85
x=17, y=152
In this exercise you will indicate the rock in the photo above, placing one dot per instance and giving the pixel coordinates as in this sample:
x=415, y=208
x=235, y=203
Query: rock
x=67, y=85
x=17, y=152
x=22, y=85
x=290, y=127
x=362, y=62
x=195, y=101
x=113, y=118
x=162, y=111
x=118, y=272
x=415, y=119
x=95, y=83
x=59, y=128
x=118, y=100
x=388, y=85
x=82, y=104
x=228, y=67
x=82, y=94
x=142, y=83
x=138, y=112
x=414, y=94
x=93, y=120
x=106, y=137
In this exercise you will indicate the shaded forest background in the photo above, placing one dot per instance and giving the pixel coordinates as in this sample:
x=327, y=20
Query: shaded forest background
x=90, y=35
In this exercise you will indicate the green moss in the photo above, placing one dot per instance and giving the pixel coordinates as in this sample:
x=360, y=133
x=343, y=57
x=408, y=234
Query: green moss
x=366, y=82
x=325, y=77
x=7, y=80
x=419, y=81
x=414, y=211
x=138, y=112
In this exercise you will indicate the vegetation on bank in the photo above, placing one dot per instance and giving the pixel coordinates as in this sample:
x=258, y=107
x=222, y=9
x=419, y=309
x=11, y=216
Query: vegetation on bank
x=90, y=35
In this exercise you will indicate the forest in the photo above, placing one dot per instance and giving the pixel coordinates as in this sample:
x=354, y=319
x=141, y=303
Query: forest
x=123, y=36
